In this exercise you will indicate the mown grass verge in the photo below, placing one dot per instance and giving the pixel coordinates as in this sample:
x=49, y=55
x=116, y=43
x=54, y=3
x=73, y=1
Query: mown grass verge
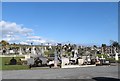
x=4, y=64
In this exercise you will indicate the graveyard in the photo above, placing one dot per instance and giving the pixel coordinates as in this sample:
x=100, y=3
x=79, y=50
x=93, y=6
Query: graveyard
x=56, y=56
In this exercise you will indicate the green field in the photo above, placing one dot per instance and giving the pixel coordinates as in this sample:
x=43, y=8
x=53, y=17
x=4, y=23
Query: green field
x=4, y=64
x=14, y=67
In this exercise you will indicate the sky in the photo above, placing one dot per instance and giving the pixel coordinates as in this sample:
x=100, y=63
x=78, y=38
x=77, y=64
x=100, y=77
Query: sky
x=75, y=22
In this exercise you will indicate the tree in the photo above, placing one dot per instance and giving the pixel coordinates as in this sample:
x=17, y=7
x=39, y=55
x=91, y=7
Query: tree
x=4, y=43
x=94, y=46
x=116, y=46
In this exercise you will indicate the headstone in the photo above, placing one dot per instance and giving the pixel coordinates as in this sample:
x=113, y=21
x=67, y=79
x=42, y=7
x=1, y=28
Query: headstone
x=45, y=48
x=7, y=52
x=84, y=58
x=65, y=61
x=20, y=51
x=102, y=57
x=97, y=58
x=50, y=47
x=75, y=55
x=13, y=61
x=116, y=57
x=3, y=51
x=30, y=61
x=76, y=51
x=55, y=59
x=88, y=59
x=42, y=51
x=27, y=49
x=33, y=52
x=11, y=51
x=80, y=61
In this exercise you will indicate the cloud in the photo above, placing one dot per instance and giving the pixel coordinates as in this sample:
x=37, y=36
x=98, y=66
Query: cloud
x=39, y=41
x=34, y=37
x=14, y=38
x=17, y=33
x=12, y=31
x=36, y=41
x=25, y=43
x=11, y=28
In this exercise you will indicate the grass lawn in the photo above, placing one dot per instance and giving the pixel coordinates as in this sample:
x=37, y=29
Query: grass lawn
x=14, y=67
x=6, y=60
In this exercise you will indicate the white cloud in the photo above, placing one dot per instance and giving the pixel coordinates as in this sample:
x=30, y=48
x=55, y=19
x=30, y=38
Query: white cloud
x=12, y=31
x=17, y=33
x=25, y=43
x=11, y=28
x=39, y=40
x=34, y=37
x=12, y=39
x=36, y=41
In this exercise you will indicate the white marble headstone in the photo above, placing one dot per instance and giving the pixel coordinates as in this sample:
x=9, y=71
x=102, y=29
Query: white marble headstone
x=33, y=51
x=116, y=57
x=11, y=51
x=20, y=51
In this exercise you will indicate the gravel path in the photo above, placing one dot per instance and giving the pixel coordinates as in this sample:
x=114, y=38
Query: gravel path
x=71, y=73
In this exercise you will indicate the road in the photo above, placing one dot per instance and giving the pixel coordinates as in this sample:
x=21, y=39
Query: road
x=71, y=73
